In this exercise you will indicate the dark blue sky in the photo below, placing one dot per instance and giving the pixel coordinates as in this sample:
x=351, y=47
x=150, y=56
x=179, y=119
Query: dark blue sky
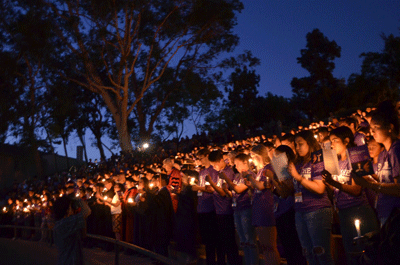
x=275, y=31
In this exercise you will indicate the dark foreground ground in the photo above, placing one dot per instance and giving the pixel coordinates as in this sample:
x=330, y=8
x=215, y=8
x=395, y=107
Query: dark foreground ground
x=22, y=252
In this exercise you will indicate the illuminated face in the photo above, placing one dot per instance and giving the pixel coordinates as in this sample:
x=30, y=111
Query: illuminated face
x=218, y=166
x=201, y=159
x=302, y=147
x=380, y=135
x=257, y=160
x=241, y=166
x=337, y=144
x=374, y=148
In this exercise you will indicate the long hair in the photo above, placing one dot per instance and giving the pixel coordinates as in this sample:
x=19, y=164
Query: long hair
x=262, y=151
x=385, y=116
x=312, y=143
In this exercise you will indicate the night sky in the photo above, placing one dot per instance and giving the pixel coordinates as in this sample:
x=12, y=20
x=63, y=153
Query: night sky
x=275, y=31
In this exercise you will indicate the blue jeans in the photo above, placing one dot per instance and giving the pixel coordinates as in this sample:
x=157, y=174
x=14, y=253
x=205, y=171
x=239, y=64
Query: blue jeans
x=314, y=230
x=247, y=235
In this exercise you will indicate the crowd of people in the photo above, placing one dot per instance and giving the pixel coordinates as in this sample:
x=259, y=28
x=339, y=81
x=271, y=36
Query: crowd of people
x=230, y=197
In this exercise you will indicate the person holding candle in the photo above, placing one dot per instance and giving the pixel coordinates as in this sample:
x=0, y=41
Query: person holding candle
x=116, y=209
x=223, y=208
x=385, y=130
x=284, y=210
x=205, y=206
x=242, y=211
x=312, y=205
x=350, y=199
x=263, y=218
x=128, y=201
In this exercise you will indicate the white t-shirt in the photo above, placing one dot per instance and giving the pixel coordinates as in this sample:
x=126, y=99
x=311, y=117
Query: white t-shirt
x=118, y=209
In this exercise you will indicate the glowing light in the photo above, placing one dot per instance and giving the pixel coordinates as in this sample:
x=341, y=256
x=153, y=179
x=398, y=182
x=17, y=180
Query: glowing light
x=4, y=209
x=151, y=185
x=192, y=181
x=315, y=136
x=207, y=183
x=130, y=200
x=145, y=145
x=357, y=225
x=105, y=198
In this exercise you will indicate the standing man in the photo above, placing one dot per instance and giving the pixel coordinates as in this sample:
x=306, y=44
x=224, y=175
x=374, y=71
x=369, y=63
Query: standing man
x=175, y=181
x=223, y=208
x=205, y=207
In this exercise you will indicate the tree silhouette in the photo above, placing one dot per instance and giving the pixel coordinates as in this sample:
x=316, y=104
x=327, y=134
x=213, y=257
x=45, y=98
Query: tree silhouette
x=316, y=95
x=121, y=49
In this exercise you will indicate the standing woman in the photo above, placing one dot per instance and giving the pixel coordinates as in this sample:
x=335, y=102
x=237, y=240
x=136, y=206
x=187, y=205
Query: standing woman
x=349, y=198
x=312, y=205
x=263, y=206
x=385, y=130
x=242, y=208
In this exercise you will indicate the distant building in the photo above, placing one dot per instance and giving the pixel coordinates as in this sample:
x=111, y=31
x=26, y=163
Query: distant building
x=18, y=163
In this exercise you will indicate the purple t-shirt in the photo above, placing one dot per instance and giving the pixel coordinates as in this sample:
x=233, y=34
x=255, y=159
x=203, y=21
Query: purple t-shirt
x=223, y=205
x=343, y=199
x=388, y=169
x=263, y=203
x=205, y=202
x=359, y=138
x=242, y=200
x=305, y=200
x=282, y=205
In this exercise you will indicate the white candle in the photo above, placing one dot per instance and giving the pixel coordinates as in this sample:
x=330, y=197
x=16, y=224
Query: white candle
x=357, y=225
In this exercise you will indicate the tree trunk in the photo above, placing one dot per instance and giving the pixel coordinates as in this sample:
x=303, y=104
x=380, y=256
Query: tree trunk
x=100, y=146
x=82, y=140
x=66, y=152
x=123, y=134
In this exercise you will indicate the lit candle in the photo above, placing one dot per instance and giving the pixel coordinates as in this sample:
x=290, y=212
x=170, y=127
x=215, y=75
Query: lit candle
x=4, y=209
x=192, y=181
x=25, y=200
x=151, y=185
x=77, y=195
x=103, y=180
x=105, y=198
x=357, y=225
x=130, y=200
x=60, y=195
x=207, y=183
